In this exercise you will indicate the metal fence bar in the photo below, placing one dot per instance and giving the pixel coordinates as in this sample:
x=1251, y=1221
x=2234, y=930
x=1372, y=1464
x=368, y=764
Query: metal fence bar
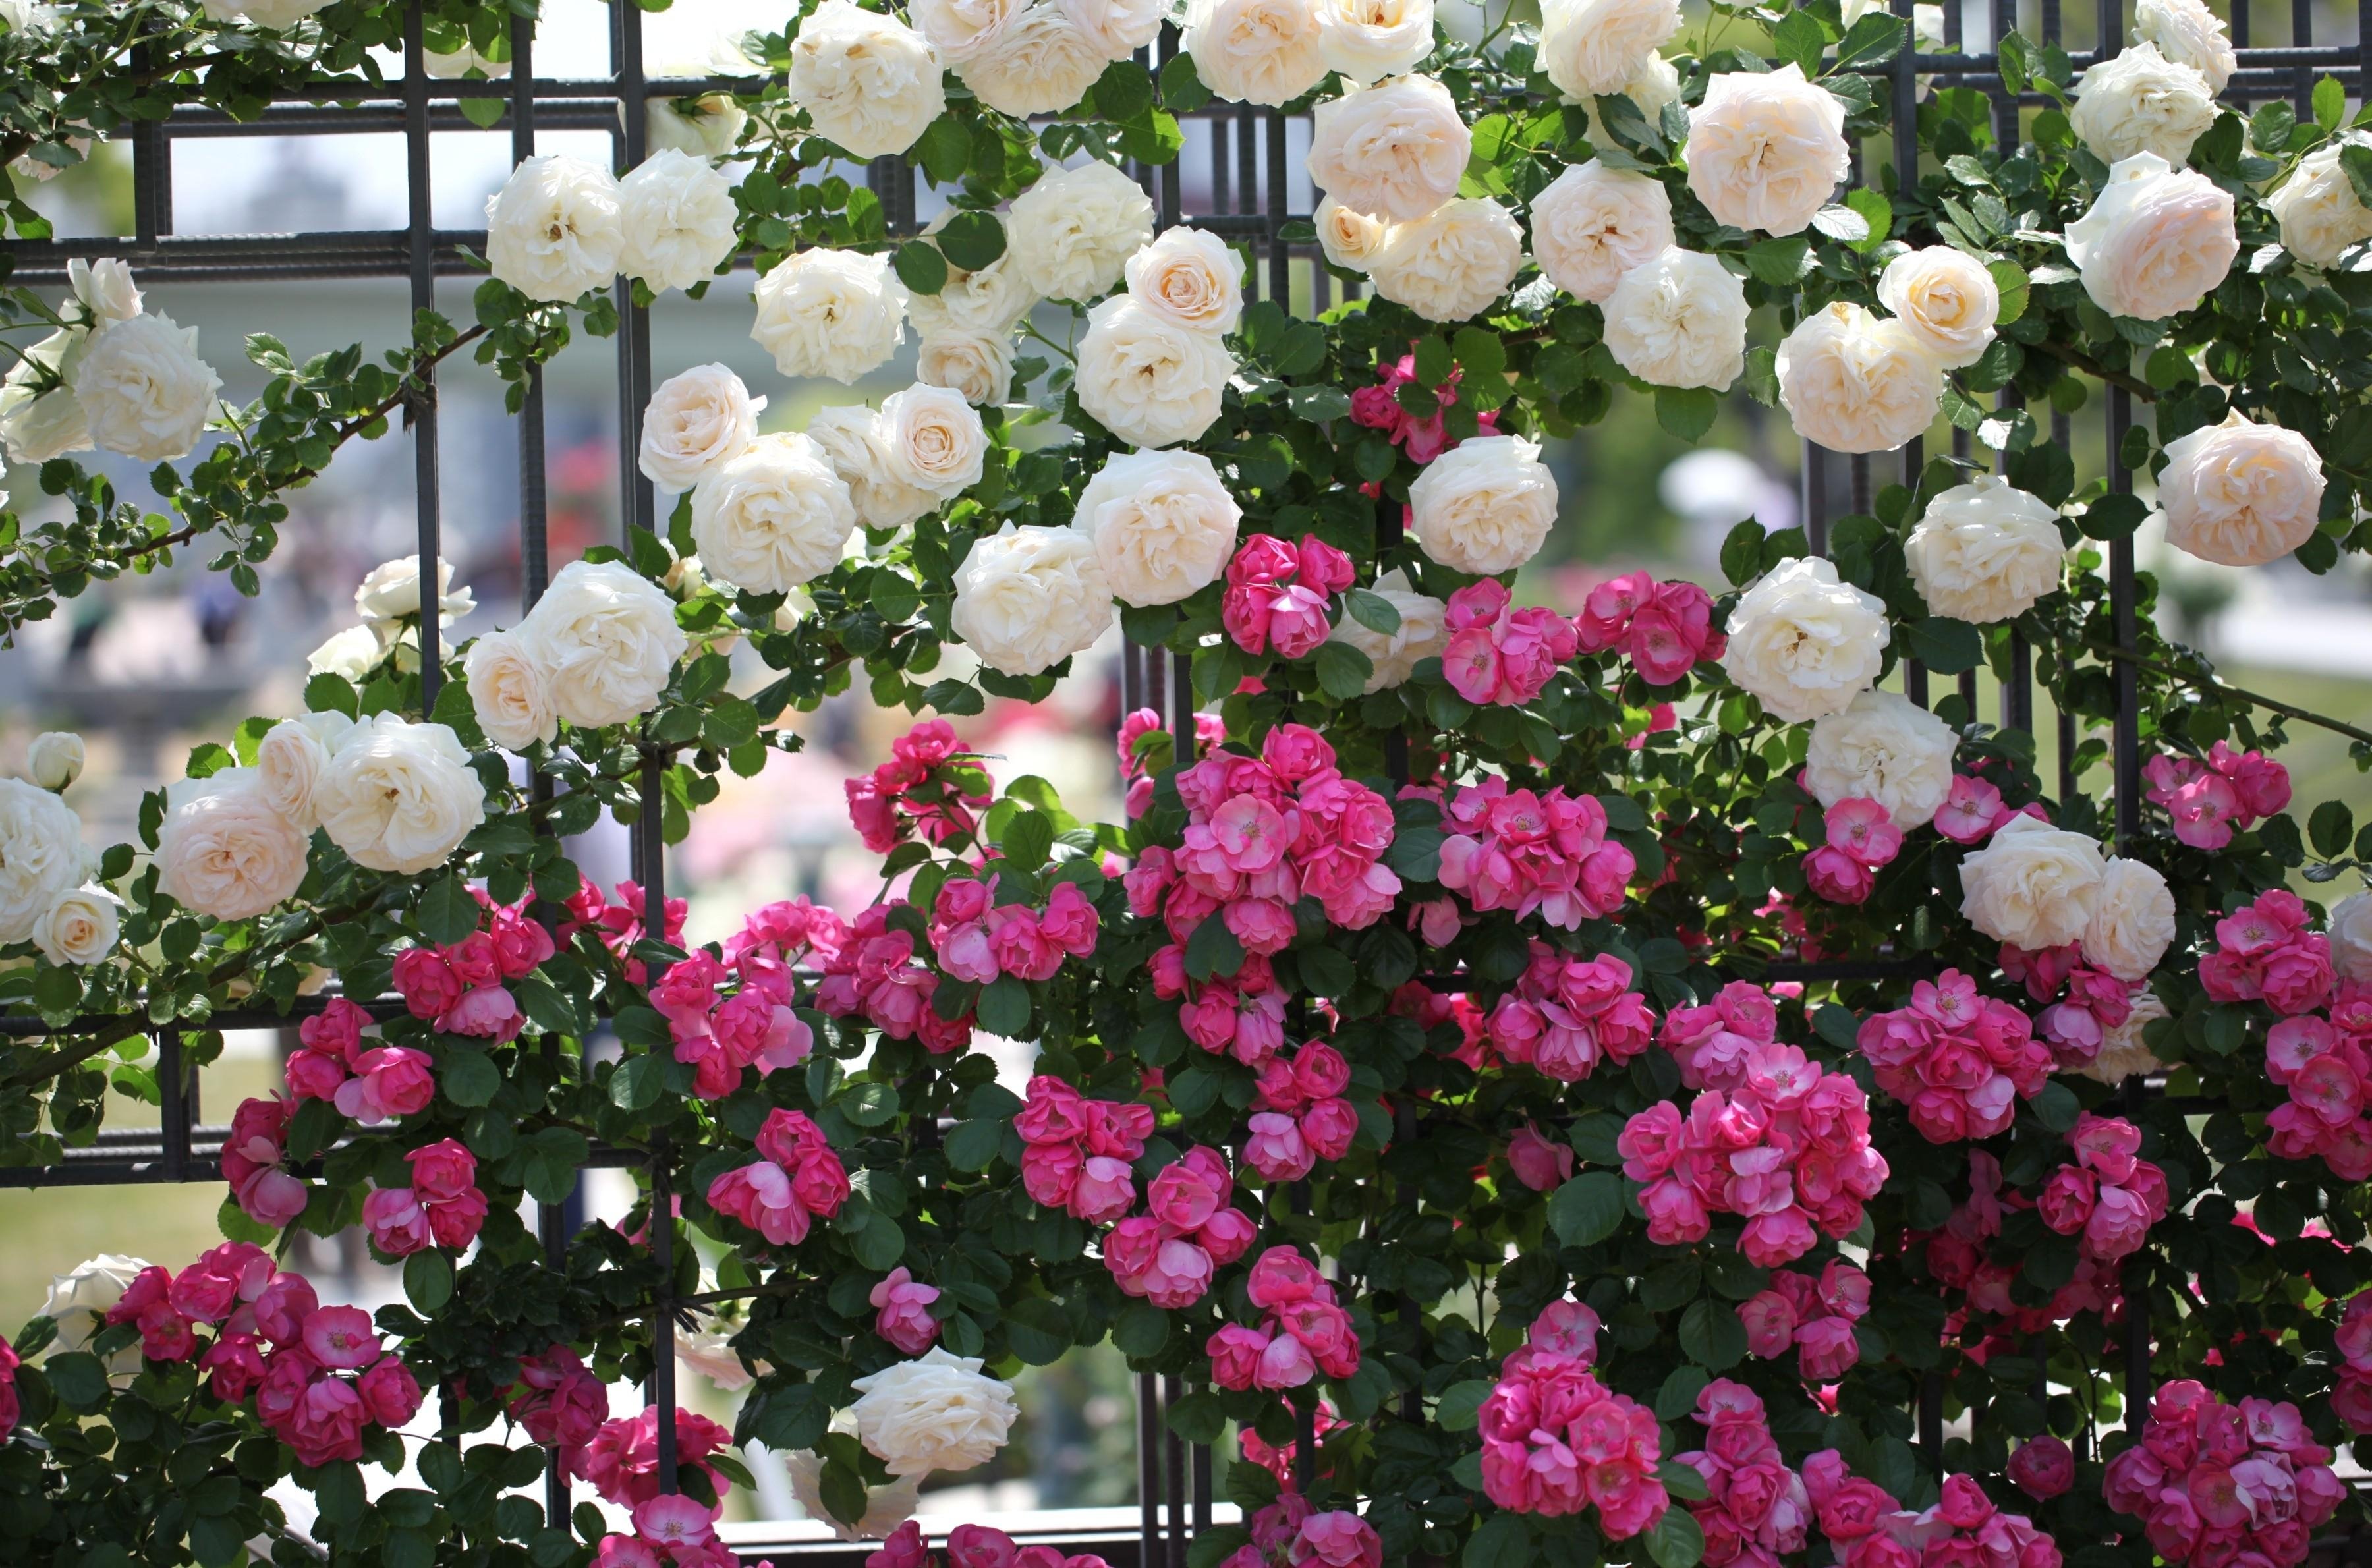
x=422, y=411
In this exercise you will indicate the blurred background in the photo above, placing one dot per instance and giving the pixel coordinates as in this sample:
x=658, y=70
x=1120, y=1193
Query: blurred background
x=146, y=668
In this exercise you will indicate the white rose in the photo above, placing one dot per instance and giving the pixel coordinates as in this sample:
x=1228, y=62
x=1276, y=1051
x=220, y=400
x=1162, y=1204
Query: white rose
x=1855, y=382
x=1146, y=379
x=1985, y=551
x=1679, y=319
x=37, y=425
x=1452, y=262
x=1589, y=47
x=2142, y=102
x=391, y=591
x=708, y=126
x=1264, y=51
x=40, y=855
x=353, y=654
x=2133, y=920
x=1423, y=632
x=2033, y=886
x=1042, y=64
x=960, y=28
x=775, y=517
x=79, y=926
x=105, y=287
x=2240, y=493
x=1594, y=224
x=55, y=760
x=2124, y=1052
x=676, y=215
x=29, y=15
x=277, y=14
x=553, y=231
x=1883, y=748
x=144, y=391
x=1946, y=298
x=833, y=313
x=2155, y=241
x=885, y=1507
x=1350, y=240
x=850, y=440
x=933, y=439
x=870, y=84
x=2351, y=937
x=610, y=641
x=977, y=365
x=454, y=64
x=1365, y=40
x=696, y=419
x=1485, y=506
x=1073, y=232
x=2189, y=34
x=224, y=851
x=1393, y=151
x=1656, y=84
x=990, y=300
x=1163, y=524
x=398, y=795
x=935, y=1413
x=1117, y=27
x=1028, y=598
x=1766, y=149
x=1192, y=277
x=2317, y=208
x=510, y=690
x=289, y=759
x=1804, y=642
x=79, y=1303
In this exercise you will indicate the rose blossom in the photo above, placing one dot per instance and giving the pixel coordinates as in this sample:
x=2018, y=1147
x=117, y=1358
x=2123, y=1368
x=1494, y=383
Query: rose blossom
x=608, y=641
x=2141, y=101
x=1948, y=300
x=2133, y=920
x=932, y=439
x=1395, y=654
x=976, y=365
x=399, y=796
x=1191, y=277
x=1804, y=642
x=1679, y=319
x=937, y=1413
x=1365, y=40
x=1028, y=598
x=677, y=213
x=1985, y=551
x=553, y=230
x=1041, y=63
x=2189, y=34
x=1593, y=223
x=1855, y=382
x=829, y=312
x=1485, y=506
x=2033, y=886
x=2317, y=208
x=2156, y=240
x=222, y=851
x=1592, y=48
x=850, y=438
x=1351, y=240
x=1451, y=263
x=1147, y=379
x=696, y=421
x=1766, y=149
x=2240, y=493
x=774, y=517
x=144, y=391
x=1262, y=52
x=1163, y=524
x=869, y=83
x=1073, y=232
x=79, y=926
x=1394, y=151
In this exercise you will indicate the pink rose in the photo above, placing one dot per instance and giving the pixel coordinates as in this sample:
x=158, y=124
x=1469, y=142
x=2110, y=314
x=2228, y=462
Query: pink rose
x=1537, y=1163
x=442, y=1170
x=1837, y=876
x=340, y=1338
x=1234, y=1352
x=397, y=1222
x=1826, y=1349
x=1337, y=1540
x=1329, y=1127
x=1281, y=1276
x=904, y=1318
x=389, y=1392
x=426, y=983
x=1770, y=1321
x=2042, y=1467
x=1276, y=1149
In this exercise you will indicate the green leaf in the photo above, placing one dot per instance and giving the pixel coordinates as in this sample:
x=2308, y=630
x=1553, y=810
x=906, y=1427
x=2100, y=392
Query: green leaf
x=2057, y=1108
x=1946, y=646
x=972, y=240
x=1677, y=1541
x=448, y=911
x=1688, y=412
x=468, y=1078
x=79, y=1380
x=328, y=693
x=1685, y=1482
x=1027, y=840
x=2271, y=128
x=1326, y=971
x=1197, y=1418
x=2330, y=103
x=1712, y=1336
x=1343, y=670
x=1873, y=41
x=921, y=267
x=1456, y=1408
x=1505, y=1540
x=1877, y=211
x=973, y=1145
x=2114, y=517
x=1480, y=352
x=1004, y=1008
x=1372, y=610
x=1141, y=1329
x=638, y=1083
x=2331, y=828
x=2357, y=161
x=1781, y=262
x=945, y=150
x=1182, y=91
x=1038, y=1328
x=1213, y=949
x=1799, y=38
x=1588, y=1208
x=428, y=1281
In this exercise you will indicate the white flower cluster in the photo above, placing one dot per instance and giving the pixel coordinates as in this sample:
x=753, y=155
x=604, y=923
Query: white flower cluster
x=1154, y=364
x=47, y=893
x=561, y=226
x=2035, y=886
x=117, y=377
x=597, y=648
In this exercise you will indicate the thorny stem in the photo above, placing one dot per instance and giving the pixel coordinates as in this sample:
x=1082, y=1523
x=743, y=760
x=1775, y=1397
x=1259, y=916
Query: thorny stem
x=2094, y=368
x=2208, y=683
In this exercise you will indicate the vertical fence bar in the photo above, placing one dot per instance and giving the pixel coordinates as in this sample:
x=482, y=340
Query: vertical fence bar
x=634, y=322
x=662, y=1234
x=1814, y=500
x=173, y=1105
x=423, y=411
x=535, y=563
x=152, y=170
x=1280, y=254
x=1173, y=1474
x=1172, y=195
x=1148, y=1469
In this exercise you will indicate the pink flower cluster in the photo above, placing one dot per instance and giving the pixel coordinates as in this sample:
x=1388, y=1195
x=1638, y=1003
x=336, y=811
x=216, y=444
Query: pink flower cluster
x=2110, y=1197
x=1567, y=1015
x=1280, y=596
x=1956, y=1259
x=1075, y=1152
x=1788, y=1150
x=1169, y=1255
x=874, y=974
x=2264, y=953
x=460, y=989
x=1861, y=840
x=1663, y=628
x=979, y=940
x=1867, y=1528
x=11, y=1412
x=1302, y=1332
x=1380, y=408
x=1302, y=1115
x=251, y=1153
x=670, y=1528
x=558, y=1401
x=622, y=1462
x=910, y=794
x=973, y=1546
x=2351, y=1395
x=1757, y=1509
x=1240, y=1014
x=720, y=1034
x=441, y=1208
x=619, y=923
x=2213, y=1482
x=1555, y=1440
x=1278, y=1458
x=1210, y=730
x=798, y=1180
x=1498, y=656
x=1959, y=1060
x=1543, y=852
x=2208, y=801
x=2096, y=1001
x=903, y=1316
x=2326, y=1065
x=1815, y=1317
x=1712, y=1043
x=1287, y=1534
x=382, y=1083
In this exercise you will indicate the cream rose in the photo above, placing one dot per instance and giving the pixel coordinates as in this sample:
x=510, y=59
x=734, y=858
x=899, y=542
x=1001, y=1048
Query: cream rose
x=775, y=517
x=677, y=217
x=289, y=759
x=1485, y=506
x=37, y=425
x=1163, y=524
x=885, y=1507
x=398, y=795
x=1766, y=149
x=833, y=313
x=2033, y=886
x=1028, y=598
x=78, y=1303
x=144, y=391
x=960, y=28
x=55, y=760
x=1946, y=298
x=391, y=591
x=935, y=1413
x=510, y=690
x=2240, y=493
x=41, y=855
x=697, y=419
x=609, y=639
x=1883, y=748
x=850, y=440
x=2155, y=241
x=2133, y=920
x=2351, y=937
x=1679, y=319
x=352, y=654
x=2317, y=208
x=869, y=83
x=708, y=126
x=277, y=14
x=1984, y=551
x=1073, y=232
x=977, y=366
x=1590, y=47
x=1804, y=642
x=2124, y=1048
x=223, y=851
x=1593, y=223
x=1393, y=151
x=1350, y=240
x=2142, y=102
x=80, y=927
x=1365, y=40
x=1042, y=64
x=1855, y=382
x=1117, y=27
x=1146, y=379
x=933, y=439
x=1422, y=635
x=1451, y=263
x=553, y=230
x=105, y=287
x=1191, y=276
x=988, y=301
x=1264, y=51
x=2189, y=34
